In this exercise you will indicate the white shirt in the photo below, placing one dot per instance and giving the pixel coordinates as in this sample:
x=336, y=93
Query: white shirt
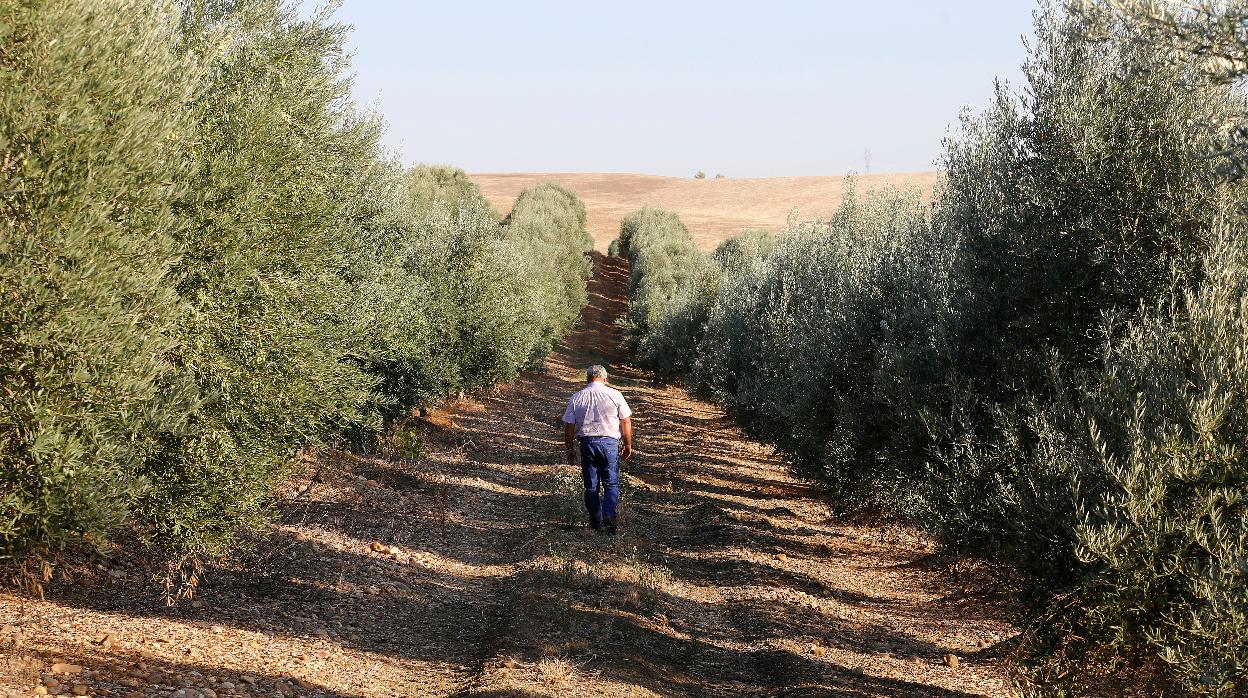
x=596, y=410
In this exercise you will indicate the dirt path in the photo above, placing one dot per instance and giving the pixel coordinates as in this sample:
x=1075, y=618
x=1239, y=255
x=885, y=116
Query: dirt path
x=444, y=567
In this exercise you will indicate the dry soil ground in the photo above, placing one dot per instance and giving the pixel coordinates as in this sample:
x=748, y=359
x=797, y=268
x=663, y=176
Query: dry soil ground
x=445, y=566
x=712, y=209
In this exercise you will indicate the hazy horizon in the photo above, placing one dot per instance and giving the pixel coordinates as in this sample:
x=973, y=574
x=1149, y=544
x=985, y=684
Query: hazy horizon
x=750, y=92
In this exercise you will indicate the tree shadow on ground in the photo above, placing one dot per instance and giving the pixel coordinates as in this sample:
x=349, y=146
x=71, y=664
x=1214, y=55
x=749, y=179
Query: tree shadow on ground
x=122, y=672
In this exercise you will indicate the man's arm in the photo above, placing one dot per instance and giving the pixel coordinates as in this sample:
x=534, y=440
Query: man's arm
x=569, y=441
x=626, y=430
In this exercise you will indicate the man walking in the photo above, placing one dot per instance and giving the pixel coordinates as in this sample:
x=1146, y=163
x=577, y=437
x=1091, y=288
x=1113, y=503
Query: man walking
x=598, y=417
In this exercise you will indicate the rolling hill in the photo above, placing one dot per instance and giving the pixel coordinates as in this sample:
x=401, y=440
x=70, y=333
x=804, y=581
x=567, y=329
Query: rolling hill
x=713, y=209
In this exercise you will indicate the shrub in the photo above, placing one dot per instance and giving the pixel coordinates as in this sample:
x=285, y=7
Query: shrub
x=1161, y=426
x=415, y=301
x=1165, y=424
x=472, y=303
x=662, y=260
x=745, y=248
x=1209, y=34
x=972, y=371
x=212, y=264
x=676, y=340
x=484, y=289
x=92, y=138
x=844, y=305
x=429, y=185
x=548, y=222
x=282, y=215
x=429, y=342
x=1080, y=200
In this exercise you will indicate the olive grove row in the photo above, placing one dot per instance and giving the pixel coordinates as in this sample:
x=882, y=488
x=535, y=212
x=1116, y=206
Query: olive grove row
x=1046, y=365
x=208, y=263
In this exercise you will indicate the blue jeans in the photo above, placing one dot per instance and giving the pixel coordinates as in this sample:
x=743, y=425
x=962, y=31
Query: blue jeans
x=600, y=465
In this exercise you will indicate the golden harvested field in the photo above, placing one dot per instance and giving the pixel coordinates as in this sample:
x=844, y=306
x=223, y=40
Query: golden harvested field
x=713, y=209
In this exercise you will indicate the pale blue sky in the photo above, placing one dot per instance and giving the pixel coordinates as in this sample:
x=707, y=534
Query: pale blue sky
x=749, y=89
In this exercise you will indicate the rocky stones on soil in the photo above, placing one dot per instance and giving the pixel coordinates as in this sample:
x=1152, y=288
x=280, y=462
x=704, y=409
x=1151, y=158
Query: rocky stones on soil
x=65, y=668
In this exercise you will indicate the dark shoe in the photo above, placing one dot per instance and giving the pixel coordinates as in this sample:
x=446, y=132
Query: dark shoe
x=595, y=525
x=609, y=524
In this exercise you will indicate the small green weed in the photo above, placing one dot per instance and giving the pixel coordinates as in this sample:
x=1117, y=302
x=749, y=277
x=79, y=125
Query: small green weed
x=409, y=443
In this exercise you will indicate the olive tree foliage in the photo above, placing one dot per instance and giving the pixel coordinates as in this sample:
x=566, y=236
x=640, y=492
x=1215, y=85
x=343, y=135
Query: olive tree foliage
x=548, y=222
x=1080, y=202
x=1079, y=197
x=1169, y=426
x=481, y=298
x=209, y=264
x=92, y=145
x=282, y=214
x=662, y=261
x=1163, y=542
x=1046, y=366
x=1210, y=35
x=429, y=185
x=675, y=343
x=473, y=302
x=811, y=347
x=332, y=289
x=451, y=292
x=744, y=248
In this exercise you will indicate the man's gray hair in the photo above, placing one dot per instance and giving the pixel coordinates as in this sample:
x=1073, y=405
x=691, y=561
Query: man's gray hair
x=595, y=371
